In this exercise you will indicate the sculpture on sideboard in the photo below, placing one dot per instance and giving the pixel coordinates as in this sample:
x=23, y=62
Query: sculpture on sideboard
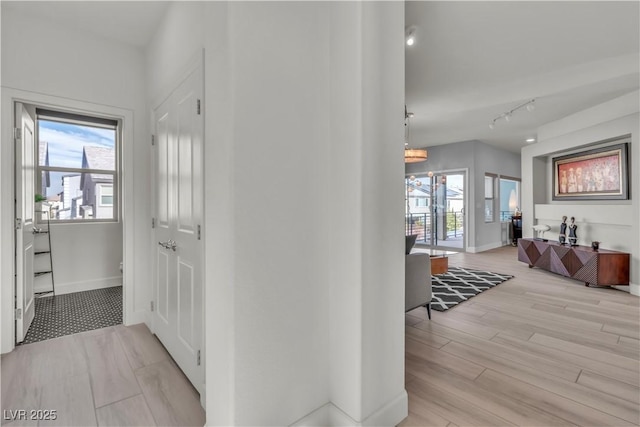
x=563, y=231
x=540, y=230
x=573, y=238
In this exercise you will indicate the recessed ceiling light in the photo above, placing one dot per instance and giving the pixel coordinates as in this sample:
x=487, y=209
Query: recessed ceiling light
x=530, y=140
x=410, y=36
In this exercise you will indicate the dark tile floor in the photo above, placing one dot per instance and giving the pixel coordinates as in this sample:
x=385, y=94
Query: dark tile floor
x=77, y=312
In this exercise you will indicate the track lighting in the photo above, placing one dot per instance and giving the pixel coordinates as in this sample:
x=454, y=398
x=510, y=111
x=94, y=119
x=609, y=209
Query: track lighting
x=508, y=115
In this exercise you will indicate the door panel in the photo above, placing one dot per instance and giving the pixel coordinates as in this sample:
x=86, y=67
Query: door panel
x=185, y=162
x=163, y=286
x=25, y=189
x=185, y=304
x=162, y=168
x=179, y=290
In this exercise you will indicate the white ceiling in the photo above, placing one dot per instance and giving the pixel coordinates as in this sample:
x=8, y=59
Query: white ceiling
x=474, y=60
x=130, y=22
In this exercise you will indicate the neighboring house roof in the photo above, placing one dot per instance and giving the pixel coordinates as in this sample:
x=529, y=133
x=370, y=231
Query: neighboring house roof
x=98, y=158
x=425, y=189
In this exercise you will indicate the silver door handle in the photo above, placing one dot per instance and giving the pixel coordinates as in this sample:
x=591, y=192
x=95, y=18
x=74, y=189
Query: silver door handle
x=169, y=244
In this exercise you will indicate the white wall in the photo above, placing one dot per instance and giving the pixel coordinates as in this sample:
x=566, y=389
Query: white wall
x=304, y=319
x=177, y=40
x=85, y=256
x=45, y=62
x=477, y=158
x=614, y=223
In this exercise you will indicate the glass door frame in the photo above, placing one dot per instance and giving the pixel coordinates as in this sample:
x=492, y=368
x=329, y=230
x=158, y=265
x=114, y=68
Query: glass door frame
x=430, y=177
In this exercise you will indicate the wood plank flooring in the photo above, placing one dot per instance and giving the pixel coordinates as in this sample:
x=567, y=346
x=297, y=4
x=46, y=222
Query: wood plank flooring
x=537, y=350
x=116, y=376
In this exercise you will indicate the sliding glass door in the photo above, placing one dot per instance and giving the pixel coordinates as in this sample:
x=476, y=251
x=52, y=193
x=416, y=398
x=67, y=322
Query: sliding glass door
x=435, y=209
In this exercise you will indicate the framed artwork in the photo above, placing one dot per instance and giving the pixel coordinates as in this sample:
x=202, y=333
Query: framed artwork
x=598, y=174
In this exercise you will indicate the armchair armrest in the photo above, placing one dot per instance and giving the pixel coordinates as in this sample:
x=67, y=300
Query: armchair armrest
x=417, y=282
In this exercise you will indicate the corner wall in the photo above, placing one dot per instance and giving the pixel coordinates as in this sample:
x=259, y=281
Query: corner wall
x=612, y=222
x=304, y=284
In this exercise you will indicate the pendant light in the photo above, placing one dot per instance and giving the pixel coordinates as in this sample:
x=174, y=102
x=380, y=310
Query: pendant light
x=411, y=155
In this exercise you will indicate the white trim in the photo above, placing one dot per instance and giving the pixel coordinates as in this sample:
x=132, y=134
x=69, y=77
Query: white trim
x=68, y=288
x=7, y=235
x=329, y=414
x=488, y=247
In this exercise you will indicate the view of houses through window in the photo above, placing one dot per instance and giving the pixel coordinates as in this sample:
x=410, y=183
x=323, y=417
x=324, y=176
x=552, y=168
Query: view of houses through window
x=434, y=208
x=77, y=173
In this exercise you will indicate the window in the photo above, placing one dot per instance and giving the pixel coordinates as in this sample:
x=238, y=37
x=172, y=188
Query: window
x=489, y=197
x=77, y=166
x=422, y=202
x=509, y=197
x=106, y=195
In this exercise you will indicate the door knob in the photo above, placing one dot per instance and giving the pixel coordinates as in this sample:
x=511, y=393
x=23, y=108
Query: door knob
x=169, y=244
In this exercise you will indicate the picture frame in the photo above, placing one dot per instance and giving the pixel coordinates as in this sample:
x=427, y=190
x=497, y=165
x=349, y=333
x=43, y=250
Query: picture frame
x=597, y=174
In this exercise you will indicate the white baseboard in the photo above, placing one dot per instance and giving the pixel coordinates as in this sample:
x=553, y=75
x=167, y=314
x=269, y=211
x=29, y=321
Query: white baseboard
x=476, y=249
x=634, y=289
x=141, y=316
x=329, y=414
x=390, y=414
x=85, y=285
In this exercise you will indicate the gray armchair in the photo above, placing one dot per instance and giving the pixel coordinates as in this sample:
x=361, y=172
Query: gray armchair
x=417, y=282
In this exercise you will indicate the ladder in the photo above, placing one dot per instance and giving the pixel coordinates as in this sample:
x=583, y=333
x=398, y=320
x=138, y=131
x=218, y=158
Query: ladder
x=37, y=231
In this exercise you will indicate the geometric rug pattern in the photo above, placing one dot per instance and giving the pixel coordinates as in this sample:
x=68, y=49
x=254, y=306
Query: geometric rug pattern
x=460, y=284
x=68, y=314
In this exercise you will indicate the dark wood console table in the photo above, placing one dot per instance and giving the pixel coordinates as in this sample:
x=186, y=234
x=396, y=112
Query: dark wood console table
x=602, y=267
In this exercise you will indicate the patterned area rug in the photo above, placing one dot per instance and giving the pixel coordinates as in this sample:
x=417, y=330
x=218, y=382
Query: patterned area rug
x=460, y=284
x=77, y=312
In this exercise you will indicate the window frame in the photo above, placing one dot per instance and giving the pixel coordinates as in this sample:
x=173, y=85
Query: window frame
x=491, y=199
x=518, y=182
x=70, y=118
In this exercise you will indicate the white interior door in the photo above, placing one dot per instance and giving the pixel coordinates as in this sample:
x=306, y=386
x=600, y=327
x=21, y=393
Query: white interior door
x=25, y=187
x=178, y=315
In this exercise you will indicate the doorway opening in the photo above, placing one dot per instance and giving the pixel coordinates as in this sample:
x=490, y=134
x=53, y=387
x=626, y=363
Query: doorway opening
x=435, y=209
x=69, y=234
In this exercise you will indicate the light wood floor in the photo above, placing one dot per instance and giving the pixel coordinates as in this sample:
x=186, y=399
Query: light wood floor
x=537, y=350
x=116, y=376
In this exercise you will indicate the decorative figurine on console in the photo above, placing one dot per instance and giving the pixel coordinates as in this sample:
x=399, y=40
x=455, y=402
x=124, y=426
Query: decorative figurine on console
x=573, y=238
x=563, y=231
x=540, y=229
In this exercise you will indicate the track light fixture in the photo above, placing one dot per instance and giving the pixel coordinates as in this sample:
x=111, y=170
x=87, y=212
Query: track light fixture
x=508, y=115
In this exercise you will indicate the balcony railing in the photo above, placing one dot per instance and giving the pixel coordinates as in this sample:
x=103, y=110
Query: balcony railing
x=420, y=224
